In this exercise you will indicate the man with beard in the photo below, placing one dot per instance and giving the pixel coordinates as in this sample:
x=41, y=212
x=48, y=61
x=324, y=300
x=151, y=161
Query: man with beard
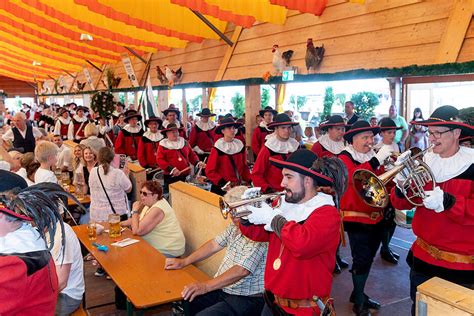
x=444, y=222
x=361, y=221
x=278, y=146
x=78, y=124
x=303, y=234
x=202, y=134
x=128, y=138
x=262, y=131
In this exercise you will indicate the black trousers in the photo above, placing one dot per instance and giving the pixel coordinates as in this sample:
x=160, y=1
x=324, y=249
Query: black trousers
x=168, y=179
x=364, y=241
x=217, y=303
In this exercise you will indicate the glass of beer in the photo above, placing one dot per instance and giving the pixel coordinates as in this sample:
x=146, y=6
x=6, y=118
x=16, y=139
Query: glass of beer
x=114, y=226
x=92, y=231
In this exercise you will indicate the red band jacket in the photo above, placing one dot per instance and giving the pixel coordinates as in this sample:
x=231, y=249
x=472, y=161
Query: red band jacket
x=320, y=151
x=127, y=142
x=168, y=159
x=258, y=138
x=307, y=257
x=203, y=139
x=350, y=200
x=77, y=130
x=148, y=150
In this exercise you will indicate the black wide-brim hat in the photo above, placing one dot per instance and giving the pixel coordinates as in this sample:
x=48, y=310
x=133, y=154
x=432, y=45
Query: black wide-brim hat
x=131, y=114
x=227, y=122
x=267, y=109
x=301, y=161
x=170, y=127
x=206, y=113
x=281, y=119
x=62, y=110
x=84, y=108
x=11, y=181
x=333, y=121
x=360, y=127
x=387, y=124
x=447, y=116
x=153, y=119
x=175, y=110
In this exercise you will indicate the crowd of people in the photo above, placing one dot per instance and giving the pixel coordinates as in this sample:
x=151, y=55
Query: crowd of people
x=279, y=260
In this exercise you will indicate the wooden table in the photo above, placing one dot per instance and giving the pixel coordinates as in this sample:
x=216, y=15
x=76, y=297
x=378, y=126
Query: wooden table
x=85, y=200
x=138, y=270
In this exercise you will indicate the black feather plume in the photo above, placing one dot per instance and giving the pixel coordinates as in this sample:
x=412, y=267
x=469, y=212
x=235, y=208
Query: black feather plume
x=335, y=169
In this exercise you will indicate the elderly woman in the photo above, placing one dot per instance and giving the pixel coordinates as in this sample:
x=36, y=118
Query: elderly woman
x=155, y=220
x=91, y=132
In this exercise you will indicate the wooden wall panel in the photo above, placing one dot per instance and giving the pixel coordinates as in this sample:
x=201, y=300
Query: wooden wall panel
x=13, y=87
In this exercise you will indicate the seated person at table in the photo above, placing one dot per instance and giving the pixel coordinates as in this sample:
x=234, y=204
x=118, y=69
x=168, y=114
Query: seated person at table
x=64, y=155
x=70, y=271
x=29, y=166
x=155, y=220
x=83, y=170
x=47, y=155
x=237, y=287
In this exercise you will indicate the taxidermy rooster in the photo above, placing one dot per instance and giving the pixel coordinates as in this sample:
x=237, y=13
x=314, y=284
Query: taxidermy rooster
x=161, y=75
x=173, y=76
x=314, y=55
x=80, y=85
x=281, y=61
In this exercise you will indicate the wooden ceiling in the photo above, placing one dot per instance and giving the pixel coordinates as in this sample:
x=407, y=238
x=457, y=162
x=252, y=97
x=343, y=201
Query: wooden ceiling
x=13, y=87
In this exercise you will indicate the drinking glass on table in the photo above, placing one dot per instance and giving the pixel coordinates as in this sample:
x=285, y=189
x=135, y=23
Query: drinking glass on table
x=79, y=185
x=65, y=181
x=92, y=231
x=114, y=226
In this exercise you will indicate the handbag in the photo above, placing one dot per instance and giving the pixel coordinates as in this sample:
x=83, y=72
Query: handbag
x=123, y=217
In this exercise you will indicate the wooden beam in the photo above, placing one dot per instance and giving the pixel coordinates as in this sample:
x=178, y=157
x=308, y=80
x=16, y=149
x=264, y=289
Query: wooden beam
x=93, y=65
x=252, y=106
x=134, y=53
x=213, y=27
x=100, y=76
x=146, y=71
x=68, y=73
x=73, y=82
x=455, y=32
x=228, y=54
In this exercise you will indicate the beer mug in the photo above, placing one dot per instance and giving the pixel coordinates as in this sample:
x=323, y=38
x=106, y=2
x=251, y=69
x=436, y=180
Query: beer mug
x=114, y=226
x=92, y=231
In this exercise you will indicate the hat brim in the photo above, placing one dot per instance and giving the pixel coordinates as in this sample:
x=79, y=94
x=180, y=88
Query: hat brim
x=206, y=115
x=220, y=127
x=325, y=127
x=14, y=214
x=166, y=130
x=320, y=178
x=466, y=129
x=157, y=120
x=272, y=125
x=138, y=116
x=262, y=112
x=350, y=133
x=165, y=112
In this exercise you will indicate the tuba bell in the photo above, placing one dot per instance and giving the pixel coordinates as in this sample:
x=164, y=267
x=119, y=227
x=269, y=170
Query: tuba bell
x=372, y=189
x=232, y=208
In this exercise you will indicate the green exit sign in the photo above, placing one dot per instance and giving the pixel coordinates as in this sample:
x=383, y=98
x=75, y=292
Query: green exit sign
x=288, y=75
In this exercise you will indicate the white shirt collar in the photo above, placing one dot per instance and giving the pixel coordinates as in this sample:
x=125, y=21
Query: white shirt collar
x=358, y=156
x=178, y=144
x=447, y=168
x=281, y=147
x=24, y=239
x=133, y=130
x=166, y=123
x=154, y=137
x=230, y=148
x=64, y=121
x=205, y=126
x=300, y=212
x=80, y=119
x=332, y=146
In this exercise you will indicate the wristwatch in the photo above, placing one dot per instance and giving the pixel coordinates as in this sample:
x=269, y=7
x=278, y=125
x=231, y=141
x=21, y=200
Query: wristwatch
x=135, y=212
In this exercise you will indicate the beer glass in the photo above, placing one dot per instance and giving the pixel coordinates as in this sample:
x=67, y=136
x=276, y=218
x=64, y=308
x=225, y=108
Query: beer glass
x=92, y=231
x=114, y=226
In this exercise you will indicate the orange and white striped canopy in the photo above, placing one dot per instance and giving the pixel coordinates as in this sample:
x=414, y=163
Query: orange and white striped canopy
x=48, y=32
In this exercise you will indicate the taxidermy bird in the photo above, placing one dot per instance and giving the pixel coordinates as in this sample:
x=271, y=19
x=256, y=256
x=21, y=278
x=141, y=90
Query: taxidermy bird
x=314, y=55
x=281, y=61
x=173, y=76
x=80, y=85
x=161, y=75
x=116, y=82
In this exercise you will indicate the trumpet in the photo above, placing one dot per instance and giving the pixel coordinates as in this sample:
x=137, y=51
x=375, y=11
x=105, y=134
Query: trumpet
x=231, y=208
x=372, y=189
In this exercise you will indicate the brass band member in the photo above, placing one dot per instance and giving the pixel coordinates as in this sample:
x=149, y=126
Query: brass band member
x=148, y=145
x=444, y=224
x=262, y=131
x=128, y=138
x=62, y=123
x=202, y=134
x=362, y=222
x=78, y=124
x=331, y=143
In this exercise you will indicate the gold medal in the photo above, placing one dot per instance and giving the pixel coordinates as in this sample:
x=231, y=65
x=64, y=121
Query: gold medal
x=179, y=159
x=277, y=264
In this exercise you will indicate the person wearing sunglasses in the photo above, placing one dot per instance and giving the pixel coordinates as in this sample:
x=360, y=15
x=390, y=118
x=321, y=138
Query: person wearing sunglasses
x=443, y=223
x=155, y=221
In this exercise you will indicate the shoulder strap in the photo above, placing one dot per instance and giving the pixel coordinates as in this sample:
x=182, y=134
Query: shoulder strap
x=108, y=199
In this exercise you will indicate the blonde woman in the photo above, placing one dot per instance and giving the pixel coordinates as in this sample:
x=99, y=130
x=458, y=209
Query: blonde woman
x=88, y=162
x=77, y=156
x=91, y=132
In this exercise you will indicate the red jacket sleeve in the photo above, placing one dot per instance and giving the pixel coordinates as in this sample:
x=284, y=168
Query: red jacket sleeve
x=255, y=232
x=13, y=284
x=258, y=171
x=317, y=149
x=141, y=153
x=211, y=168
x=192, y=157
x=120, y=143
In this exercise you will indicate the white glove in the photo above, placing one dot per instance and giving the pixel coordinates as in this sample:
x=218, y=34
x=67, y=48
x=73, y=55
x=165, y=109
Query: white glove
x=434, y=200
x=198, y=150
x=384, y=152
x=401, y=159
x=262, y=215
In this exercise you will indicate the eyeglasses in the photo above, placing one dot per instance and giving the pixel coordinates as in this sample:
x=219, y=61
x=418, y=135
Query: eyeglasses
x=437, y=135
x=145, y=193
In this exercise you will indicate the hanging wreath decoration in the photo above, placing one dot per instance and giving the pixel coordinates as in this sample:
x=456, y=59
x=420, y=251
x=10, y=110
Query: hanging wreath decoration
x=103, y=103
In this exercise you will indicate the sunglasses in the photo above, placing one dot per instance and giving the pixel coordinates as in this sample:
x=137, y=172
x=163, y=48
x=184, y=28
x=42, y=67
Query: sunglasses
x=145, y=193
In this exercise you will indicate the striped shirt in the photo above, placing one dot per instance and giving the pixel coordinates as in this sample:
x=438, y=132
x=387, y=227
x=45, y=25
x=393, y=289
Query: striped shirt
x=246, y=253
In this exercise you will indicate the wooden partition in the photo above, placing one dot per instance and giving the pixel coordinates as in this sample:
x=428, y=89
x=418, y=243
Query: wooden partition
x=440, y=297
x=200, y=219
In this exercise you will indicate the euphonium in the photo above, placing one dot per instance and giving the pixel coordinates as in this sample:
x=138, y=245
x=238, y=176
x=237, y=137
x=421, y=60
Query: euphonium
x=372, y=189
x=231, y=208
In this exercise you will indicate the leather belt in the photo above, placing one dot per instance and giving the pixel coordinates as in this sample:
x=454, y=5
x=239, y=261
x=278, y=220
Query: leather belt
x=286, y=302
x=373, y=215
x=444, y=255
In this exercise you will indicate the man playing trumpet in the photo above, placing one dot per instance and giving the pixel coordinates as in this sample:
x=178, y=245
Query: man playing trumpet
x=303, y=234
x=444, y=223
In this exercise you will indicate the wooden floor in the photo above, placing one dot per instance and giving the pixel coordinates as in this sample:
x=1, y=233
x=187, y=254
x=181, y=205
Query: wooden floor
x=387, y=283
